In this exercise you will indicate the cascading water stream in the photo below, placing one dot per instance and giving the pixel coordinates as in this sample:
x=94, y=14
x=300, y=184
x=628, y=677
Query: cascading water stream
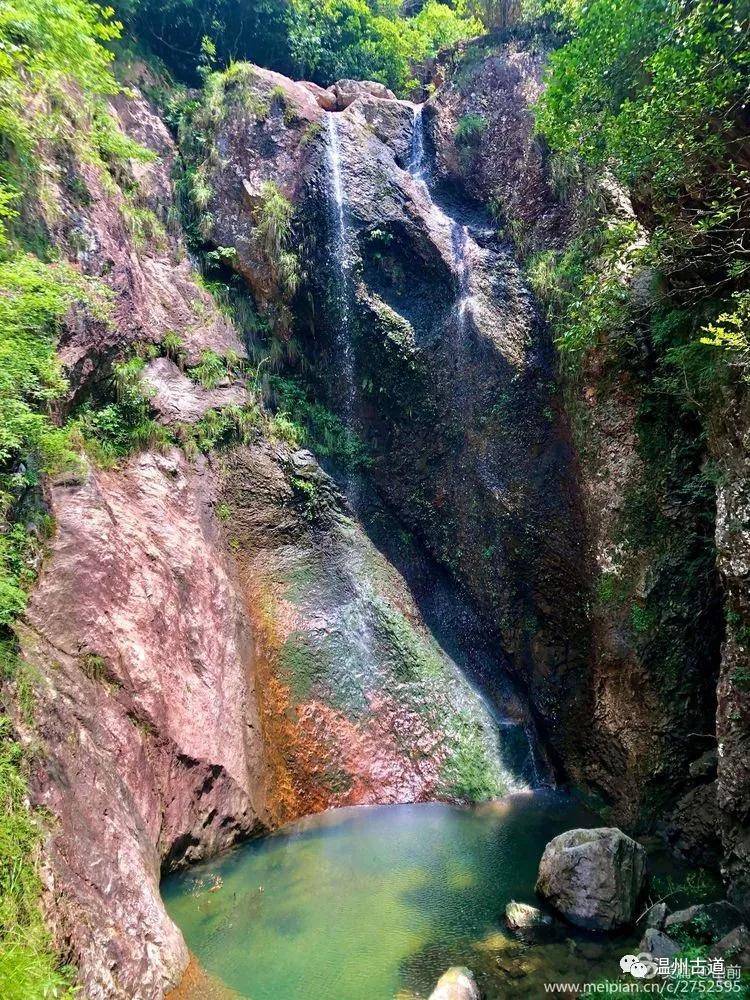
x=462, y=246
x=341, y=270
x=358, y=622
x=459, y=243
x=460, y=238
x=416, y=161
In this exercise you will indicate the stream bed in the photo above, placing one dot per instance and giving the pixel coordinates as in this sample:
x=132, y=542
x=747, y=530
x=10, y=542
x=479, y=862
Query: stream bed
x=373, y=903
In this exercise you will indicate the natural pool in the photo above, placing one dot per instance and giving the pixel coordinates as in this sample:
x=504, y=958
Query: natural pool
x=374, y=903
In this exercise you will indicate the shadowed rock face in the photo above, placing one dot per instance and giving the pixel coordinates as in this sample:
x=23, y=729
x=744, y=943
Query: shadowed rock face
x=731, y=448
x=653, y=694
x=424, y=337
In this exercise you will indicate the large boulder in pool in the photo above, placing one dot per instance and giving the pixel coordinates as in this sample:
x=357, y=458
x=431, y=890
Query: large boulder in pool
x=593, y=878
x=457, y=983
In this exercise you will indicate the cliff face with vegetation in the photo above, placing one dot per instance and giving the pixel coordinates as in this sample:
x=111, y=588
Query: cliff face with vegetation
x=644, y=296
x=324, y=413
x=449, y=384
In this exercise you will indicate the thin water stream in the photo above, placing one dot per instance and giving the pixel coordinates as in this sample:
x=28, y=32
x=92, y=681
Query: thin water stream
x=462, y=244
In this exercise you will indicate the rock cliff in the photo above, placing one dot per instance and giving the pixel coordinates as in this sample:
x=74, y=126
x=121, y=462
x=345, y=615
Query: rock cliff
x=420, y=332
x=214, y=644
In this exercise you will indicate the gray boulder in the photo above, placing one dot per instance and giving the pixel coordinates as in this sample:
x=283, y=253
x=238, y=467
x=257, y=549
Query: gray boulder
x=593, y=877
x=704, y=923
x=521, y=916
x=458, y=983
x=657, y=915
x=347, y=91
x=734, y=947
x=656, y=943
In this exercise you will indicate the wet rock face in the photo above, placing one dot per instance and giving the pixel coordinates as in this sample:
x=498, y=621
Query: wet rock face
x=150, y=745
x=360, y=705
x=593, y=877
x=431, y=346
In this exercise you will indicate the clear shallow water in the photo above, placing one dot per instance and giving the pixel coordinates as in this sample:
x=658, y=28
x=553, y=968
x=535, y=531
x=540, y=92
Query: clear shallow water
x=370, y=903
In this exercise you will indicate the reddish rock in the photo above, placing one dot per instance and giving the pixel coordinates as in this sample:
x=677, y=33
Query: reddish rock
x=325, y=97
x=177, y=399
x=150, y=747
x=347, y=92
x=154, y=285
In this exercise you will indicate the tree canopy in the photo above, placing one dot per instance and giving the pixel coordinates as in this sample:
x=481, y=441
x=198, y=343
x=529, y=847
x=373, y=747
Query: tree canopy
x=322, y=40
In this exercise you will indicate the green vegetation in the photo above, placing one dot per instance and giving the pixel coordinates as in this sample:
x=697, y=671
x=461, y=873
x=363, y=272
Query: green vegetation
x=654, y=91
x=470, y=129
x=467, y=773
x=28, y=968
x=213, y=368
x=316, y=426
x=650, y=93
x=322, y=40
x=111, y=431
x=218, y=428
x=273, y=236
x=34, y=298
x=300, y=665
x=55, y=75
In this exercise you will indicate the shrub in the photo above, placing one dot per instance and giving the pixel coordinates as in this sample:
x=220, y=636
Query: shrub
x=470, y=129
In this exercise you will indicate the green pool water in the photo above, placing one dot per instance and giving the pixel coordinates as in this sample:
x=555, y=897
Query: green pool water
x=374, y=903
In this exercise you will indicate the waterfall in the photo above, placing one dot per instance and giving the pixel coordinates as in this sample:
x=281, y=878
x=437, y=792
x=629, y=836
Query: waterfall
x=341, y=270
x=358, y=619
x=416, y=161
x=460, y=238
x=459, y=245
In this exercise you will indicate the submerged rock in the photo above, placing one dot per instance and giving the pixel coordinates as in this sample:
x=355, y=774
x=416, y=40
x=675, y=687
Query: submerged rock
x=593, y=877
x=457, y=983
x=521, y=916
x=530, y=924
x=592, y=951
